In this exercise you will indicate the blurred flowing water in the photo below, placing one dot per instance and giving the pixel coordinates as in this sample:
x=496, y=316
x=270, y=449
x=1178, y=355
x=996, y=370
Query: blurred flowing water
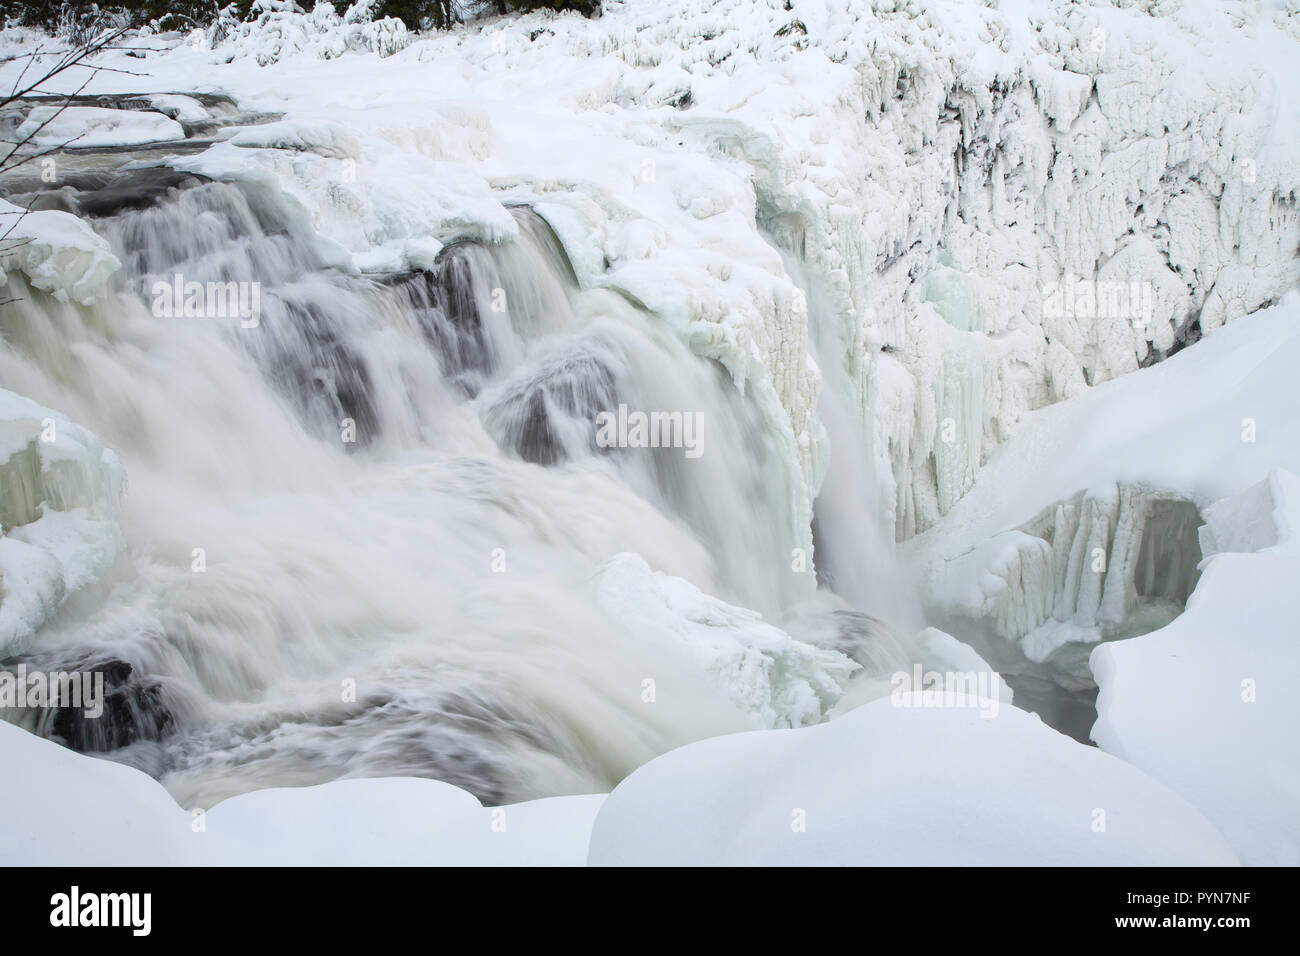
x=393, y=486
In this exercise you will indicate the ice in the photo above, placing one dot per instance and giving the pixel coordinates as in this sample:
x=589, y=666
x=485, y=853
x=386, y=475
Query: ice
x=60, y=493
x=58, y=252
x=782, y=682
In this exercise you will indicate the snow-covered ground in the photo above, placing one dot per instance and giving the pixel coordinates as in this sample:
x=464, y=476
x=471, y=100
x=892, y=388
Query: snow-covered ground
x=1007, y=218
x=77, y=811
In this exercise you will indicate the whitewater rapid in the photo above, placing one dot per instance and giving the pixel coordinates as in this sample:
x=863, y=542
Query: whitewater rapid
x=369, y=530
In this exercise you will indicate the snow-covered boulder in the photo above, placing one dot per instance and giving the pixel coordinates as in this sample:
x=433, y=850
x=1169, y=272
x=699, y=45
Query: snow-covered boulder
x=84, y=127
x=895, y=785
x=57, y=252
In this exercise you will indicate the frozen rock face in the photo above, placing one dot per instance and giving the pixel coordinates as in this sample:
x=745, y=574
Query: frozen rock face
x=1015, y=203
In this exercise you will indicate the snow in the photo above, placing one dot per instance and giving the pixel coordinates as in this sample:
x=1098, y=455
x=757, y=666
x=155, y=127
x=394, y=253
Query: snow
x=1217, y=426
x=1206, y=705
x=87, y=127
x=1199, y=427
x=1005, y=791
x=185, y=109
x=69, y=810
x=58, y=252
x=974, y=187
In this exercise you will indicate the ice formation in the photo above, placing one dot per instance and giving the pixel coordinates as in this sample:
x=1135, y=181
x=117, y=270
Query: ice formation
x=1103, y=564
x=57, y=252
x=781, y=681
x=59, y=499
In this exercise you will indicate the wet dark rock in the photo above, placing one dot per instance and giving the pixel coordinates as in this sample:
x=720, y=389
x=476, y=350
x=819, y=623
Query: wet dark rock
x=328, y=377
x=136, y=706
x=133, y=189
x=550, y=416
x=682, y=100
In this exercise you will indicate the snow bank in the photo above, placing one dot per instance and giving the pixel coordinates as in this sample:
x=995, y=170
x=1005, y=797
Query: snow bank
x=1208, y=705
x=64, y=809
x=1002, y=791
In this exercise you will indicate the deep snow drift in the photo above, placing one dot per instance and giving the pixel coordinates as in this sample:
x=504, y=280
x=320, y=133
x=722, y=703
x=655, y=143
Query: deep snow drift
x=854, y=793
x=890, y=255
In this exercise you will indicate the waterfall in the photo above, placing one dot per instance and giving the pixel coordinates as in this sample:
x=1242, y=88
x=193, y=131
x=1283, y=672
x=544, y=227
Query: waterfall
x=369, y=514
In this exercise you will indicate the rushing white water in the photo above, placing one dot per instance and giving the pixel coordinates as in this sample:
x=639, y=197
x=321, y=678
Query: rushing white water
x=366, y=531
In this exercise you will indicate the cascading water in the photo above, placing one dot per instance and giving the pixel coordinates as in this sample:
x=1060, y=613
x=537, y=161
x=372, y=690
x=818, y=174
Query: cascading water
x=366, y=526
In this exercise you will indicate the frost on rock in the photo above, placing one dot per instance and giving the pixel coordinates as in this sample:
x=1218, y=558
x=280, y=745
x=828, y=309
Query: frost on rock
x=762, y=670
x=59, y=496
